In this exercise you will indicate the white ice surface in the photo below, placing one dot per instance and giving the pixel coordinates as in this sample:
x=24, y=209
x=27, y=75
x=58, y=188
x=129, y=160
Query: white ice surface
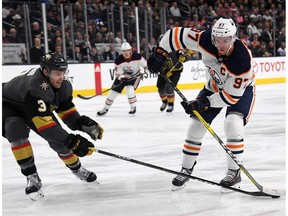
x=157, y=138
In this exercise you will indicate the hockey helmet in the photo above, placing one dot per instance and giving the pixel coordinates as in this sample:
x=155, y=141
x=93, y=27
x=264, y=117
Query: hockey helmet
x=224, y=28
x=126, y=46
x=53, y=61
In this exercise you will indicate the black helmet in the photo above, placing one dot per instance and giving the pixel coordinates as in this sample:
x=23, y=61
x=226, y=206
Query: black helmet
x=53, y=61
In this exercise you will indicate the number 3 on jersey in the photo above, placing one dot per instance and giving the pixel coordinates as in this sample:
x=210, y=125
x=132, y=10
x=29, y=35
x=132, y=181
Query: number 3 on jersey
x=42, y=106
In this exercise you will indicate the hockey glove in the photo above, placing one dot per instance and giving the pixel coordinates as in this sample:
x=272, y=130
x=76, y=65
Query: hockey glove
x=157, y=60
x=79, y=145
x=199, y=104
x=89, y=126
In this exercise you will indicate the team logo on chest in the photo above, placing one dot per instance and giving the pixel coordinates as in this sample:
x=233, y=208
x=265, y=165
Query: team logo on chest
x=129, y=70
x=215, y=76
x=44, y=85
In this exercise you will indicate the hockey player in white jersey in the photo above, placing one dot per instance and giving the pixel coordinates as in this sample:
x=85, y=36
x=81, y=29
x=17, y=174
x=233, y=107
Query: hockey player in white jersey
x=129, y=68
x=230, y=84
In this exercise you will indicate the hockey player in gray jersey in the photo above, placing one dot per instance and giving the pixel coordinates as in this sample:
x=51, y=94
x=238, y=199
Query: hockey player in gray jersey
x=28, y=102
x=230, y=84
x=129, y=68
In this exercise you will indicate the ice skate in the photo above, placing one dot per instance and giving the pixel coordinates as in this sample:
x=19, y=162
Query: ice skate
x=132, y=110
x=180, y=180
x=170, y=109
x=102, y=112
x=163, y=106
x=33, y=188
x=232, y=178
x=85, y=175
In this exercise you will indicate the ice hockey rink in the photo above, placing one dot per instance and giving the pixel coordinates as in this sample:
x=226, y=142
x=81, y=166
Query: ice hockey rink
x=156, y=138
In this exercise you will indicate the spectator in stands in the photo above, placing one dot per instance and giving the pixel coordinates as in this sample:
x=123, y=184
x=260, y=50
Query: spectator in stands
x=36, y=52
x=262, y=50
x=91, y=34
x=58, y=49
x=109, y=55
x=81, y=27
x=119, y=39
x=252, y=29
x=50, y=35
x=281, y=51
x=79, y=39
x=94, y=56
x=13, y=36
x=36, y=30
x=175, y=11
x=255, y=43
x=5, y=38
x=270, y=48
x=78, y=54
x=282, y=36
x=19, y=26
x=266, y=35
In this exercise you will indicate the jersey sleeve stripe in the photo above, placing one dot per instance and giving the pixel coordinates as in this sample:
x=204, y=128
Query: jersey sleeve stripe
x=229, y=97
x=181, y=38
x=176, y=36
x=224, y=99
x=42, y=123
x=64, y=114
x=171, y=40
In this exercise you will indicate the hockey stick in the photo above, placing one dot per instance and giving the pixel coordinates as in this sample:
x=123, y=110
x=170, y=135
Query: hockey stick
x=272, y=192
x=90, y=97
x=252, y=193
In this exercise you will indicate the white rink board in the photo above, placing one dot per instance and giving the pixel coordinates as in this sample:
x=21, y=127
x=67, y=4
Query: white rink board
x=82, y=76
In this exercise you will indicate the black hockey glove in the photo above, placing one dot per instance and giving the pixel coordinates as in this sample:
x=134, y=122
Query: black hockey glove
x=157, y=60
x=79, y=145
x=90, y=127
x=199, y=104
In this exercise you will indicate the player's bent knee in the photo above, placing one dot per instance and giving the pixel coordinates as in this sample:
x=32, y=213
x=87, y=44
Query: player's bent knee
x=16, y=129
x=196, y=130
x=234, y=127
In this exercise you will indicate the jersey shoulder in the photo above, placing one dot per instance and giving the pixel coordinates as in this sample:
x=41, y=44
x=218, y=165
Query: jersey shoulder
x=205, y=42
x=136, y=56
x=40, y=87
x=240, y=60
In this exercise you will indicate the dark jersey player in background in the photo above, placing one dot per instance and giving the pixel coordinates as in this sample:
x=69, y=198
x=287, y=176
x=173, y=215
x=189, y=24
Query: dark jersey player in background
x=165, y=90
x=28, y=102
x=230, y=83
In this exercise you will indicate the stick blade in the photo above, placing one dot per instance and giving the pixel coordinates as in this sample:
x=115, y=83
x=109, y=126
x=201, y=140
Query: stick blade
x=274, y=192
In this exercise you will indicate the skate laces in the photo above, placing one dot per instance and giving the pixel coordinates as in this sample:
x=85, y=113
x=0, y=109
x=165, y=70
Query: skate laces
x=184, y=171
x=82, y=173
x=230, y=175
x=33, y=180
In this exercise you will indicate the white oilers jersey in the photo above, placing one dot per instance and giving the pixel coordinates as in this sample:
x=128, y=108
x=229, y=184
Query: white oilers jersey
x=226, y=77
x=130, y=66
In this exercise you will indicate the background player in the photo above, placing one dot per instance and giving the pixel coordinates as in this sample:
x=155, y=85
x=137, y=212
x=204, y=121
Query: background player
x=165, y=90
x=129, y=68
x=230, y=83
x=28, y=101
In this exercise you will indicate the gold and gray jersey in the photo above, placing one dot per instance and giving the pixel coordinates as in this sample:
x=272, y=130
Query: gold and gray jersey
x=33, y=96
x=227, y=77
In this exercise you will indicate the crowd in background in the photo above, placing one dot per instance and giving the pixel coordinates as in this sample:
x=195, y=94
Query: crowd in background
x=261, y=25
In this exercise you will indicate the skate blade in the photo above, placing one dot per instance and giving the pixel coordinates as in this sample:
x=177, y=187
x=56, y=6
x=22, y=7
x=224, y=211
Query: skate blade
x=227, y=190
x=176, y=188
x=36, y=195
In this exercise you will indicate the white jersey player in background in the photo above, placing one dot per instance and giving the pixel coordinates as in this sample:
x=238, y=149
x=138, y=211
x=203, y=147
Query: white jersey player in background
x=230, y=83
x=129, y=68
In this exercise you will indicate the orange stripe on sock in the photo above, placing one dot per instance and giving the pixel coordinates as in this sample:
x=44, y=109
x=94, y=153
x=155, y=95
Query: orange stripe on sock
x=191, y=148
x=235, y=146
